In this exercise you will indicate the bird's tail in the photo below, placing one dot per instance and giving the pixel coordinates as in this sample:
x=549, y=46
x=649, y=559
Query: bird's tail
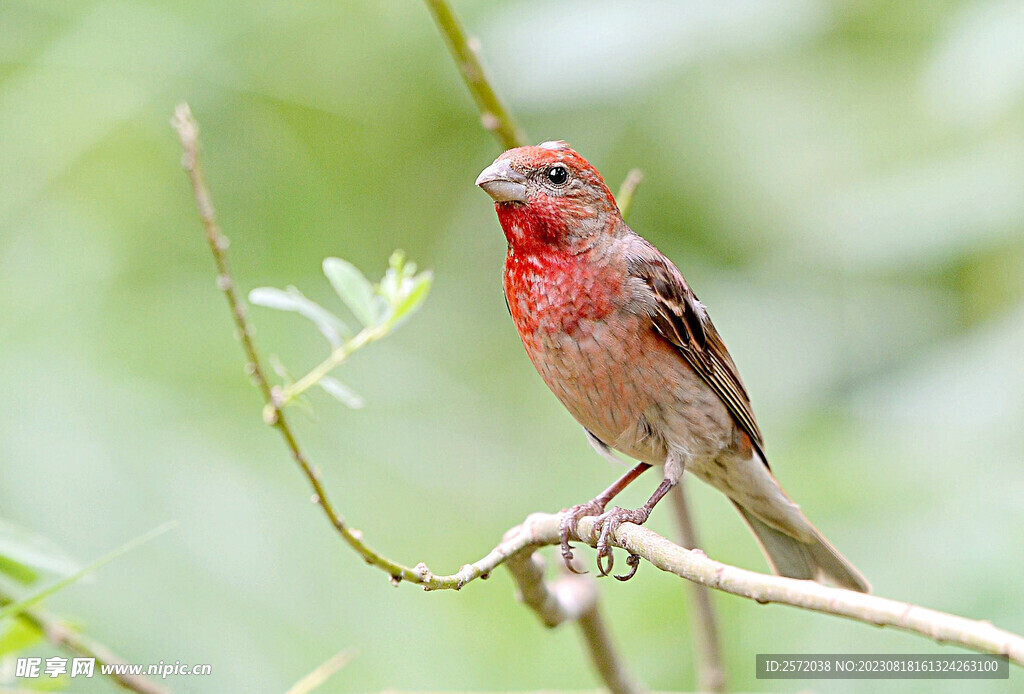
x=816, y=559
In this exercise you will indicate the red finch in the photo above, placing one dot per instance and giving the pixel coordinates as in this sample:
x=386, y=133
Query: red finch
x=623, y=342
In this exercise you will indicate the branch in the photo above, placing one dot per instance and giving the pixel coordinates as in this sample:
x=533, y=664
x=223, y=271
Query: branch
x=711, y=664
x=63, y=636
x=493, y=114
x=694, y=565
x=711, y=675
x=571, y=597
x=541, y=529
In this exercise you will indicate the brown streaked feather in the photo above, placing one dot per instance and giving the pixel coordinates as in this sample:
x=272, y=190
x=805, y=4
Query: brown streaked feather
x=680, y=318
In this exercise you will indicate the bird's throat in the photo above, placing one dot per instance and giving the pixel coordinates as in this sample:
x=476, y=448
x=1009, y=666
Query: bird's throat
x=530, y=226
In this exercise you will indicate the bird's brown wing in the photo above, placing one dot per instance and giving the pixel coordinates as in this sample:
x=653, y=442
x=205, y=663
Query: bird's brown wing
x=680, y=318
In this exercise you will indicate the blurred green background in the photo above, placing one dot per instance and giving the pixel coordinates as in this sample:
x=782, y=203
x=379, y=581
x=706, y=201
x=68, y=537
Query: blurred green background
x=841, y=182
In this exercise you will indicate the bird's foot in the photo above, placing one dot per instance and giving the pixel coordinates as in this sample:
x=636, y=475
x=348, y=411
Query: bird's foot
x=567, y=528
x=608, y=523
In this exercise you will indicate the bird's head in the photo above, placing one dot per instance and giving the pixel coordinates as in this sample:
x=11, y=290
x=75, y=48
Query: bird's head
x=548, y=195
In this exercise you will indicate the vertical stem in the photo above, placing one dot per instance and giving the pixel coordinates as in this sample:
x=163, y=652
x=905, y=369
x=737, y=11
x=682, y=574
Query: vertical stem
x=710, y=667
x=604, y=655
x=572, y=598
x=493, y=114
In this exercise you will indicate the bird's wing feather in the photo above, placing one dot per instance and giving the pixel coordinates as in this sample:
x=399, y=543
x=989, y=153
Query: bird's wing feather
x=680, y=318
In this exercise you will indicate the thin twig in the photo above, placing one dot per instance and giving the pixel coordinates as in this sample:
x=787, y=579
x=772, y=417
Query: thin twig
x=63, y=636
x=493, y=114
x=710, y=661
x=711, y=664
x=337, y=357
x=188, y=132
x=322, y=672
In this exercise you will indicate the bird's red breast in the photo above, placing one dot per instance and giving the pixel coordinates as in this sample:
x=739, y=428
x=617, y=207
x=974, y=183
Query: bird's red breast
x=552, y=292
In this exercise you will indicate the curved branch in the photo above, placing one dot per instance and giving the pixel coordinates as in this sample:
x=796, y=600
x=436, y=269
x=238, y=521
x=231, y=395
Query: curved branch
x=188, y=132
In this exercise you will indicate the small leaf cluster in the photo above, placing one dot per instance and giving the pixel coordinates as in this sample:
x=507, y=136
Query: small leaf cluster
x=379, y=307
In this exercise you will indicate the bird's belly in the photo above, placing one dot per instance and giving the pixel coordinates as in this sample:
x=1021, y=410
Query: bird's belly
x=631, y=389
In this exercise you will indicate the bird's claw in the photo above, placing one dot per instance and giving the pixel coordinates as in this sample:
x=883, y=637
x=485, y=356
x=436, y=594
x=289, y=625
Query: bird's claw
x=601, y=557
x=608, y=523
x=568, y=558
x=567, y=528
x=633, y=561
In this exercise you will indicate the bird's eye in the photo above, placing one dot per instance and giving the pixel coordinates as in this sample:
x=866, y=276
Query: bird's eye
x=558, y=174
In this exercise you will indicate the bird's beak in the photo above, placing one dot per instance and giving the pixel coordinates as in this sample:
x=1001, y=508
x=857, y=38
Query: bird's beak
x=502, y=182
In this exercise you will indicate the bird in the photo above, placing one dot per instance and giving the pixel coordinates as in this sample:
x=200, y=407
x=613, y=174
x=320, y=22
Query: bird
x=621, y=339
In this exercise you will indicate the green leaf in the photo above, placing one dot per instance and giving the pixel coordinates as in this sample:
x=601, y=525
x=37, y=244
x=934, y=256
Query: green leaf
x=353, y=288
x=18, y=634
x=19, y=606
x=291, y=299
x=23, y=554
x=341, y=392
x=412, y=299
